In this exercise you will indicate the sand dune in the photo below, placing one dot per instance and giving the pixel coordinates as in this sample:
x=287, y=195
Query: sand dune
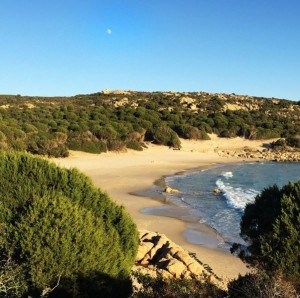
x=119, y=174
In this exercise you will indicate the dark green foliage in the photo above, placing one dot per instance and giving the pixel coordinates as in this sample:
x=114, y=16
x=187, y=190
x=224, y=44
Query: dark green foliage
x=175, y=288
x=262, y=285
x=56, y=224
x=165, y=136
x=100, y=122
x=294, y=141
x=190, y=132
x=85, y=141
x=279, y=144
x=135, y=145
x=272, y=224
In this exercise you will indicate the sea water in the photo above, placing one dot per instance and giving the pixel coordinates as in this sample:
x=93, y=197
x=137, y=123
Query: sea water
x=239, y=185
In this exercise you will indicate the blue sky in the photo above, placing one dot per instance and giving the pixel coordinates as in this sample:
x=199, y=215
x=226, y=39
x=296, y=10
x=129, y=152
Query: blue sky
x=68, y=47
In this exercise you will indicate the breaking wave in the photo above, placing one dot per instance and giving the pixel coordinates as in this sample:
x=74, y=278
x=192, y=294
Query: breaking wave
x=236, y=197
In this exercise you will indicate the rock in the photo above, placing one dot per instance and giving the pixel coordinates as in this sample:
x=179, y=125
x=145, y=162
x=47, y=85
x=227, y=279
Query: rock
x=184, y=257
x=217, y=190
x=144, y=248
x=176, y=268
x=145, y=260
x=165, y=274
x=146, y=235
x=212, y=279
x=171, y=190
x=195, y=268
x=161, y=242
x=159, y=256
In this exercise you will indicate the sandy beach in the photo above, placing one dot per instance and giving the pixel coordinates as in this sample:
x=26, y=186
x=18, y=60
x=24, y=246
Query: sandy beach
x=120, y=174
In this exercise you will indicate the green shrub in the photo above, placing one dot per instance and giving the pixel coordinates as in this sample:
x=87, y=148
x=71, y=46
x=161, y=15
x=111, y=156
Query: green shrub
x=164, y=135
x=294, y=141
x=85, y=141
x=262, y=285
x=272, y=224
x=55, y=223
x=135, y=145
x=279, y=144
x=175, y=288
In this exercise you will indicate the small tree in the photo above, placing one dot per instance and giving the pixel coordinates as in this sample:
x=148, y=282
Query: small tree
x=272, y=224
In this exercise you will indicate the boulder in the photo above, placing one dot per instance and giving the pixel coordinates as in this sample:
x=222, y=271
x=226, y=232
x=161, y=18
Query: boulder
x=184, y=257
x=145, y=260
x=176, y=268
x=217, y=190
x=171, y=190
x=162, y=242
x=195, y=268
x=159, y=256
x=143, y=249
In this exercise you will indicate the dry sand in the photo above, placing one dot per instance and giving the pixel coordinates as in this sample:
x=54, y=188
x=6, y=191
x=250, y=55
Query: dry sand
x=119, y=174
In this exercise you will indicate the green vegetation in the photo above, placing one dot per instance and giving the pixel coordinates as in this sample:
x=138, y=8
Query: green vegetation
x=60, y=233
x=272, y=223
x=262, y=285
x=99, y=122
x=272, y=226
x=174, y=288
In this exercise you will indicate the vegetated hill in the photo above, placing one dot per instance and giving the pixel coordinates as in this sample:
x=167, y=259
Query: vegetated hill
x=114, y=120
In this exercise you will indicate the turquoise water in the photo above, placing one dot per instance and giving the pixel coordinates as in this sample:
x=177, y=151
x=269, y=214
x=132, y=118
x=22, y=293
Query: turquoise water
x=239, y=184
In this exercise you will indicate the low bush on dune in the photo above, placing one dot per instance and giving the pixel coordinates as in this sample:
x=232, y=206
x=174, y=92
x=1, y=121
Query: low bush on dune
x=63, y=236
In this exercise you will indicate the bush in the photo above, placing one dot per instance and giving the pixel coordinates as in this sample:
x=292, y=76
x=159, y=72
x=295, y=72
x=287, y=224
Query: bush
x=279, y=144
x=135, y=145
x=272, y=224
x=294, y=141
x=164, y=135
x=190, y=132
x=174, y=288
x=261, y=285
x=57, y=226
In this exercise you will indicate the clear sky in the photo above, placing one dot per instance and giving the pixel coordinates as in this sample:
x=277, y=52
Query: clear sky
x=68, y=47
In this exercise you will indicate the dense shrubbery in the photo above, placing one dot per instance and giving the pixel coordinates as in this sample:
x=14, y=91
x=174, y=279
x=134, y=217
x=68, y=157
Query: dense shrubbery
x=262, y=285
x=57, y=227
x=175, y=288
x=272, y=223
x=100, y=122
x=294, y=141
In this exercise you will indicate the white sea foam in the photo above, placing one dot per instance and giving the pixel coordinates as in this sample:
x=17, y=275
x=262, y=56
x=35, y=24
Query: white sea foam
x=236, y=197
x=227, y=174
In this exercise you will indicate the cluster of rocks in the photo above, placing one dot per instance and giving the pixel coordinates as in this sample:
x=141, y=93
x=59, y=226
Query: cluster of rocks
x=158, y=256
x=264, y=154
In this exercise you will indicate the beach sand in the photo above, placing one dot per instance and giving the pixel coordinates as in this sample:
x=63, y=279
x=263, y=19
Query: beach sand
x=120, y=174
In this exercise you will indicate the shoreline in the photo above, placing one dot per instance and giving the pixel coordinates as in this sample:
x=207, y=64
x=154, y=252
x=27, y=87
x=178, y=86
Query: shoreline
x=206, y=235
x=120, y=174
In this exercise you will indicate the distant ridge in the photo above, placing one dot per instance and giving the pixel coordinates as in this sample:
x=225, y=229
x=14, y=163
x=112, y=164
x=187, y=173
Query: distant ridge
x=120, y=119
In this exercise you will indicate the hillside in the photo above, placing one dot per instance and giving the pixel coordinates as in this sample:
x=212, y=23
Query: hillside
x=116, y=120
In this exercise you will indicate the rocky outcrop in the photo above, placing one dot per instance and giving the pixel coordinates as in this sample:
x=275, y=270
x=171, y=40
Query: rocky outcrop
x=159, y=256
x=263, y=154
